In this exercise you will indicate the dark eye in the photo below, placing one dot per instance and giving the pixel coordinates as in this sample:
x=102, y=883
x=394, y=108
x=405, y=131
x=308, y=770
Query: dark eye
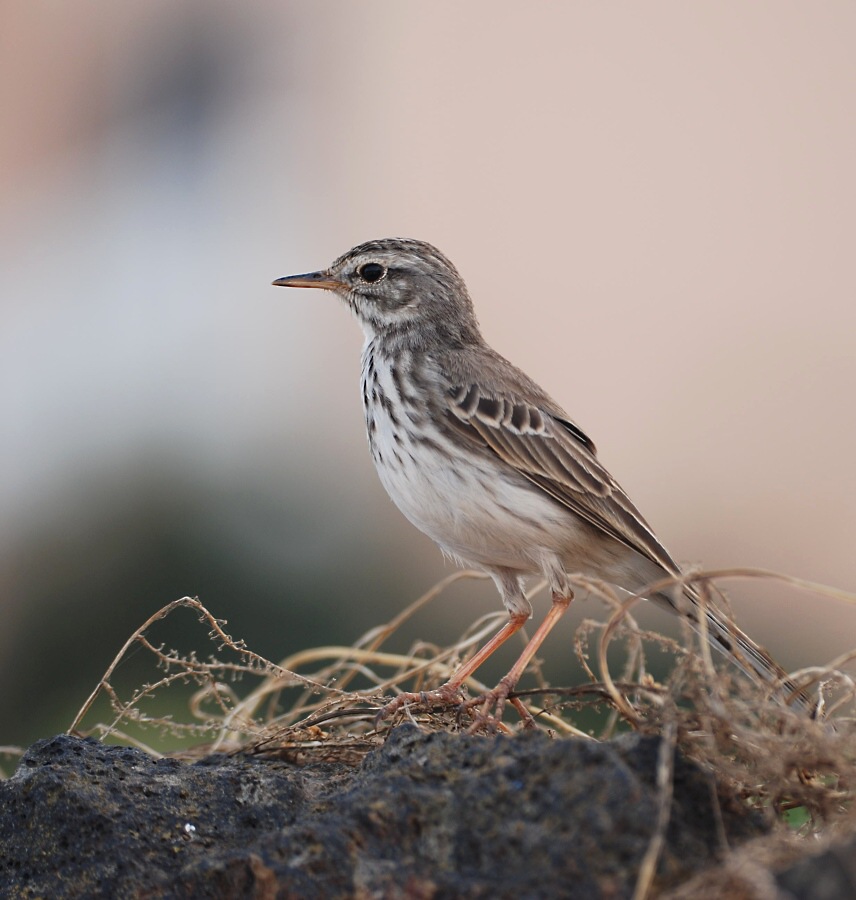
x=371, y=272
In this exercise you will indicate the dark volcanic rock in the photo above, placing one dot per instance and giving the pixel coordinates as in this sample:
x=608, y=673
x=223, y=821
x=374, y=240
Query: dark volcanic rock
x=829, y=875
x=428, y=815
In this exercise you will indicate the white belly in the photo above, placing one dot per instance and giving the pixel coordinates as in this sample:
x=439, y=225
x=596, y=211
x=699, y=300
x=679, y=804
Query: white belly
x=461, y=502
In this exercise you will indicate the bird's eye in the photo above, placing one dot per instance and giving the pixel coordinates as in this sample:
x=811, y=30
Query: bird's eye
x=371, y=272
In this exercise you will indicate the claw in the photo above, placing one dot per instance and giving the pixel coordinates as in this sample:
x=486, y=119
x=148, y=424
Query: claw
x=480, y=708
x=446, y=695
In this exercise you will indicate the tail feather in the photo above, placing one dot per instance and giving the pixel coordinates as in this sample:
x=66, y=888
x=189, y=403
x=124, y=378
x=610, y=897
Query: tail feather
x=749, y=656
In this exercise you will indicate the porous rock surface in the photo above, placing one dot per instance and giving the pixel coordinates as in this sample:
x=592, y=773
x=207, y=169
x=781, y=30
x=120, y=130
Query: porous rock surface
x=427, y=815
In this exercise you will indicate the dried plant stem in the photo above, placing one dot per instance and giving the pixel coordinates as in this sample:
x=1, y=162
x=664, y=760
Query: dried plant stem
x=665, y=791
x=773, y=755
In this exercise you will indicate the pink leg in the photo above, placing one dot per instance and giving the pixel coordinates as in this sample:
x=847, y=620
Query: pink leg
x=498, y=696
x=450, y=692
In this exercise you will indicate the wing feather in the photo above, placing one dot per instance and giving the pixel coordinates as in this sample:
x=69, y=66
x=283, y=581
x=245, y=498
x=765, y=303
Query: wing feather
x=556, y=456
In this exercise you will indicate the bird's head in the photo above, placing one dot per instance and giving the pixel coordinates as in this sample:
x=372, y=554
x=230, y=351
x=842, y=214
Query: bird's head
x=397, y=286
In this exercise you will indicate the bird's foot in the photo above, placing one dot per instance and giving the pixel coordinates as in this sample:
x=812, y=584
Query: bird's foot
x=486, y=709
x=448, y=694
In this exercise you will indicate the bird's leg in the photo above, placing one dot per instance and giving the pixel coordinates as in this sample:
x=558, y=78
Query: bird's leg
x=481, y=706
x=450, y=692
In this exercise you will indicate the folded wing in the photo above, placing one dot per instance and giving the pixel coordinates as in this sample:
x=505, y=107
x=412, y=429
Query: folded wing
x=554, y=454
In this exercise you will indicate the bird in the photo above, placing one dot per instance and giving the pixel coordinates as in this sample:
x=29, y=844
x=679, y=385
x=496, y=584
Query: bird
x=482, y=460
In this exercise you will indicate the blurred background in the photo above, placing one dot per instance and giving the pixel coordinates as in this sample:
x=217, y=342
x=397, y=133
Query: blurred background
x=654, y=206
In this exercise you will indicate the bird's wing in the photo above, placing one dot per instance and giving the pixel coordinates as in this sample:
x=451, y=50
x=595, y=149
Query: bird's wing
x=555, y=455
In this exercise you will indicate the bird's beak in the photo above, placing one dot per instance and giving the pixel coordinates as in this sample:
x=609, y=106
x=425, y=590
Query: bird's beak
x=310, y=280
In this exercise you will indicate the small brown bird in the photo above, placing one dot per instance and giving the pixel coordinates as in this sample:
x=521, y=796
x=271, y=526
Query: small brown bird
x=481, y=459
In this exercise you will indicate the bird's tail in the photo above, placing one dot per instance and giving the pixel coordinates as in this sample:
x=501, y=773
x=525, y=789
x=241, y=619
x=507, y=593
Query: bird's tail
x=752, y=658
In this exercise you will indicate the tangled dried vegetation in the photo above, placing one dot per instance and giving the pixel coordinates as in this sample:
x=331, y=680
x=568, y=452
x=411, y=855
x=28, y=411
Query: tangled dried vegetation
x=322, y=703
